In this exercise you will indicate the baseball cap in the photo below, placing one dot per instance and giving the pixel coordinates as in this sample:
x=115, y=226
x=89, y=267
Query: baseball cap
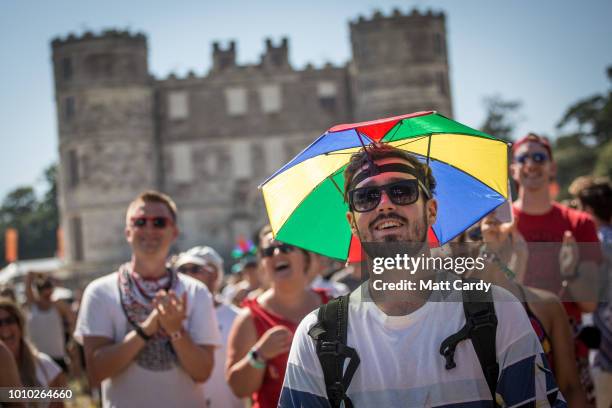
x=208, y=256
x=532, y=137
x=187, y=258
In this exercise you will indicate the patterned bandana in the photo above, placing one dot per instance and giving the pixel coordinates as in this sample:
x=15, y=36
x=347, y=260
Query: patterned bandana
x=137, y=296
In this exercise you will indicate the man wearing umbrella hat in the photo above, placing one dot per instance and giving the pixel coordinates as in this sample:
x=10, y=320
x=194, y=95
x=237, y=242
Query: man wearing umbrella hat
x=391, y=200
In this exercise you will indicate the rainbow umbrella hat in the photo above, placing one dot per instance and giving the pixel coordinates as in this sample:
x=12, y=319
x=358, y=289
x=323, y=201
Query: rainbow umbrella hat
x=305, y=198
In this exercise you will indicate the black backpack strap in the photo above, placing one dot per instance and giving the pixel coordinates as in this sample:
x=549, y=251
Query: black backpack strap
x=481, y=328
x=330, y=334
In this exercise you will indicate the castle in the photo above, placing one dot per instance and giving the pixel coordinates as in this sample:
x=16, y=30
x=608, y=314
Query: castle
x=208, y=141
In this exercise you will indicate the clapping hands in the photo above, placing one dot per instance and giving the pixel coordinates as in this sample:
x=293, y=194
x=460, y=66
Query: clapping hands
x=171, y=310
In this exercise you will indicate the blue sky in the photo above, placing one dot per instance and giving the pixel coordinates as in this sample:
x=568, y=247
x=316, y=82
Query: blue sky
x=546, y=53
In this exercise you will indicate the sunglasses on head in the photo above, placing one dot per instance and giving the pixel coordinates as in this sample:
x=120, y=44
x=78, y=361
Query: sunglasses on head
x=283, y=248
x=404, y=192
x=157, y=222
x=537, y=157
x=7, y=321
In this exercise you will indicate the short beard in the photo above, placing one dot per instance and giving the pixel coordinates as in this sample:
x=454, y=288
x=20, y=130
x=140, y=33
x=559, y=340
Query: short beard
x=418, y=230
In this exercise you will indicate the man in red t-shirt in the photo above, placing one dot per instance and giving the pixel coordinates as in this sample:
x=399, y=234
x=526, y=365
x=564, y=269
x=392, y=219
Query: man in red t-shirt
x=542, y=220
x=552, y=226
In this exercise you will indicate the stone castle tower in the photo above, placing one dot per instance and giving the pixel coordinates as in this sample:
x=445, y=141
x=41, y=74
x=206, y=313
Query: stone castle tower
x=208, y=141
x=105, y=104
x=399, y=64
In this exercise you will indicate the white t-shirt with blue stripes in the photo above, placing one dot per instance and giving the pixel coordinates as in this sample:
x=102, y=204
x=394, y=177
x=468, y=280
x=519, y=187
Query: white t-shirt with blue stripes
x=401, y=365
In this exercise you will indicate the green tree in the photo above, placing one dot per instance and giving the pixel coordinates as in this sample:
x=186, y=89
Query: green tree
x=586, y=147
x=592, y=115
x=574, y=158
x=35, y=220
x=502, y=116
x=603, y=166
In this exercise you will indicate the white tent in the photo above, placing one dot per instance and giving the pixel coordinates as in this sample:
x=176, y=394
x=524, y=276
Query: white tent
x=21, y=268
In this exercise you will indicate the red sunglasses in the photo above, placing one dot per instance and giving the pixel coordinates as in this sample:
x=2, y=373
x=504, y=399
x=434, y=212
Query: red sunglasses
x=156, y=222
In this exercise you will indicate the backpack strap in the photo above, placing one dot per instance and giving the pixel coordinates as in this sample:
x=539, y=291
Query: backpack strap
x=330, y=334
x=481, y=328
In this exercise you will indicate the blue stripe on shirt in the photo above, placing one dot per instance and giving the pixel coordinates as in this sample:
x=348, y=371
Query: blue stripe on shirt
x=292, y=399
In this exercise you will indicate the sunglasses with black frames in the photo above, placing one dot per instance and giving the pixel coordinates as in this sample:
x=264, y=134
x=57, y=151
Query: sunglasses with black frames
x=403, y=192
x=283, y=248
x=156, y=222
x=7, y=321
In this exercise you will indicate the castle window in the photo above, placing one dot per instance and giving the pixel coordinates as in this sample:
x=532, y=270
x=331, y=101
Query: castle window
x=69, y=108
x=236, y=101
x=438, y=44
x=67, y=68
x=182, y=164
x=258, y=160
x=178, y=105
x=270, y=98
x=73, y=168
x=77, y=238
x=326, y=90
x=241, y=155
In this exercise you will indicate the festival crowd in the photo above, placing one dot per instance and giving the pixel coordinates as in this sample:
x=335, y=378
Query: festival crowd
x=284, y=327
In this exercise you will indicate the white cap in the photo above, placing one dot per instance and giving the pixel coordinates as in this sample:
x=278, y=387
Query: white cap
x=208, y=255
x=187, y=258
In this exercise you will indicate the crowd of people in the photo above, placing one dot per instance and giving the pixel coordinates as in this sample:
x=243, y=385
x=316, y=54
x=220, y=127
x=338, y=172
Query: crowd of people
x=292, y=328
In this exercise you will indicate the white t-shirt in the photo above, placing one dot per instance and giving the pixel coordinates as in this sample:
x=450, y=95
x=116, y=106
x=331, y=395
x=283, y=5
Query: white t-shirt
x=46, y=369
x=401, y=364
x=46, y=330
x=101, y=314
x=217, y=392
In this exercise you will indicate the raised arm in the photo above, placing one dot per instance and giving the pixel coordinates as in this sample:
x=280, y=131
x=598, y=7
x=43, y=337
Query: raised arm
x=67, y=314
x=29, y=291
x=243, y=378
x=244, y=375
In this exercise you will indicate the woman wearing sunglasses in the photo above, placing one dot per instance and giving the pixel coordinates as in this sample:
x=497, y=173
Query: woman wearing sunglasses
x=36, y=369
x=261, y=335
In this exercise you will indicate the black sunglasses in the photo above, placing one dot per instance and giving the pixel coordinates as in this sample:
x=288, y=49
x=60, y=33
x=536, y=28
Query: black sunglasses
x=157, y=222
x=404, y=192
x=475, y=234
x=8, y=321
x=536, y=157
x=195, y=269
x=269, y=251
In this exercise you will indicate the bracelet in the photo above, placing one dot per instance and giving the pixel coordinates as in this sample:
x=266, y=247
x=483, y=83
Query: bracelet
x=494, y=258
x=141, y=333
x=176, y=335
x=255, y=360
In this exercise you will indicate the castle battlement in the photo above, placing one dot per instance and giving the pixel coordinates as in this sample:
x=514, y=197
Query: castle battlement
x=397, y=16
x=283, y=45
x=107, y=34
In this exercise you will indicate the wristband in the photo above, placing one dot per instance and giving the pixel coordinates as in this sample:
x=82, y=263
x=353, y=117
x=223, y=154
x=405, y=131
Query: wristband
x=255, y=360
x=494, y=258
x=141, y=333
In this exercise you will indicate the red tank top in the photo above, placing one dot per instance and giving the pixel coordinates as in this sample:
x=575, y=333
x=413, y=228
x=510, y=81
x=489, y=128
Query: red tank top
x=267, y=396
